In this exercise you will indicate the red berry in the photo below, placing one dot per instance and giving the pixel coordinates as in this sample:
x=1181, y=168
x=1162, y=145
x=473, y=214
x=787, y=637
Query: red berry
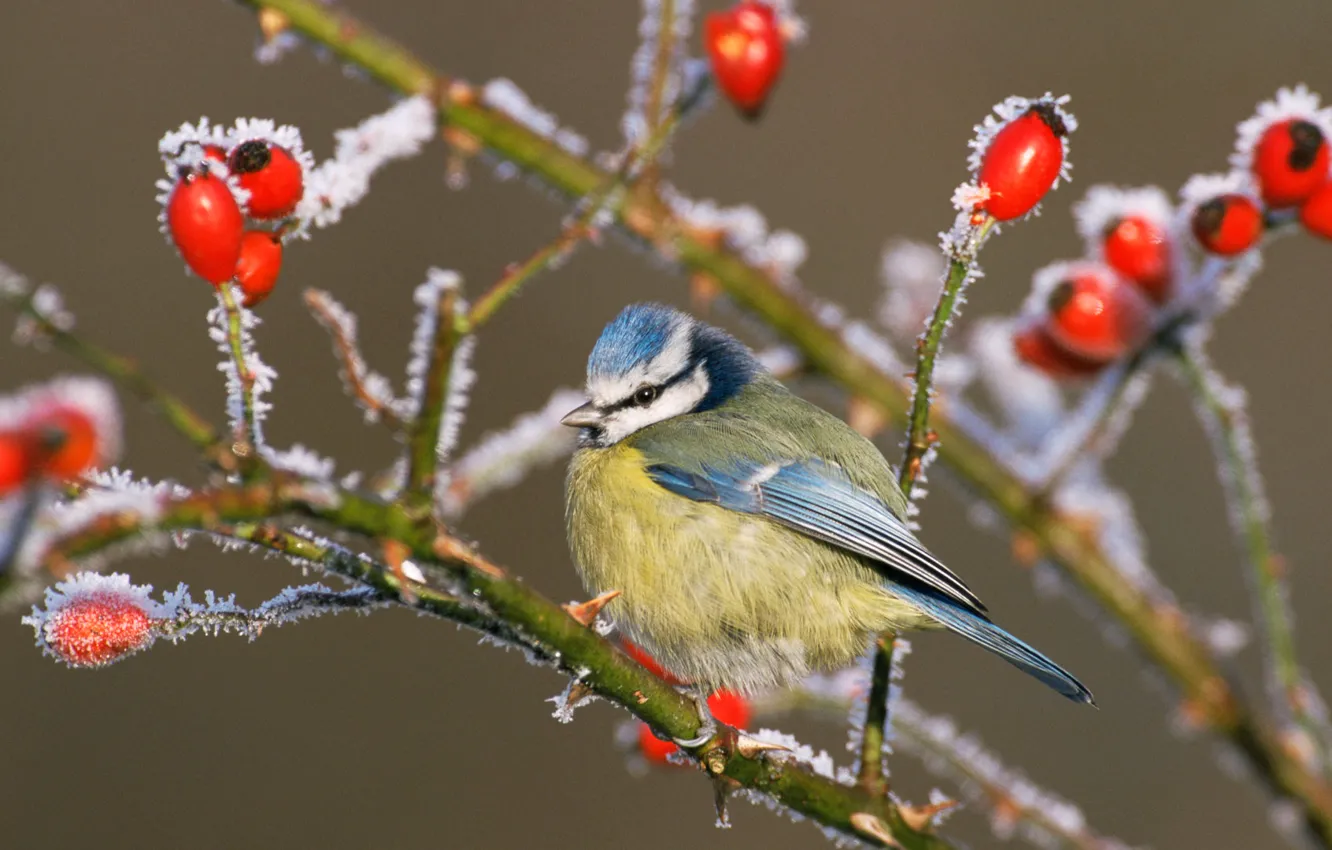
x=206, y=224
x=1140, y=250
x=1098, y=315
x=271, y=175
x=260, y=262
x=1228, y=224
x=1036, y=348
x=747, y=52
x=66, y=442
x=1316, y=214
x=16, y=461
x=726, y=706
x=640, y=655
x=730, y=708
x=96, y=629
x=1022, y=162
x=215, y=153
x=1290, y=162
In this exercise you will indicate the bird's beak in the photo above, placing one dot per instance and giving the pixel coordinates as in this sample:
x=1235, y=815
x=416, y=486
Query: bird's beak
x=586, y=416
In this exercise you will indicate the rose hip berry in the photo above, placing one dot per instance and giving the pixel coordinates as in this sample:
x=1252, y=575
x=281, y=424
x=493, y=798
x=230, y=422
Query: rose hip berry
x=1036, y=348
x=16, y=461
x=1140, y=250
x=1316, y=213
x=259, y=265
x=1228, y=224
x=1290, y=162
x=1097, y=315
x=747, y=52
x=205, y=224
x=1022, y=162
x=65, y=441
x=97, y=629
x=270, y=174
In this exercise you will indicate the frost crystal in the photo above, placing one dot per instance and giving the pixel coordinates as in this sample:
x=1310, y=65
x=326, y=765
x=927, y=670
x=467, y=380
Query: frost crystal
x=501, y=459
x=636, y=121
x=504, y=96
x=745, y=231
x=48, y=305
x=343, y=181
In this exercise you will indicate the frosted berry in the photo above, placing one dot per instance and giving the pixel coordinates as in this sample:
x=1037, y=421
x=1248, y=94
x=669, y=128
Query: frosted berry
x=259, y=265
x=1036, y=348
x=270, y=174
x=1097, y=315
x=65, y=442
x=1228, y=224
x=1290, y=162
x=1139, y=250
x=215, y=153
x=96, y=629
x=1316, y=213
x=1022, y=162
x=746, y=48
x=16, y=461
x=205, y=224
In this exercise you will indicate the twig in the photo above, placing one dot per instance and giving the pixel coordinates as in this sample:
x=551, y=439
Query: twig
x=331, y=315
x=127, y=373
x=919, y=438
x=1221, y=408
x=424, y=431
x=873, y=735
x=248, y=435
x=516, y=276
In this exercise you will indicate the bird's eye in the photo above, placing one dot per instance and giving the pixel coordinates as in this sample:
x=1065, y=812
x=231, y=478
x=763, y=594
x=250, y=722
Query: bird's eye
x=645, y=396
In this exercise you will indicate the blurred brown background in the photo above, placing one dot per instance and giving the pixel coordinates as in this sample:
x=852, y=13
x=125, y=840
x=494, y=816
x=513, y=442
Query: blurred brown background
x=396, y=731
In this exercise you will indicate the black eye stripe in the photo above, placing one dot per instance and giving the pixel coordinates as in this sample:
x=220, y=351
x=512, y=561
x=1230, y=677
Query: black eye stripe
x=632, y=400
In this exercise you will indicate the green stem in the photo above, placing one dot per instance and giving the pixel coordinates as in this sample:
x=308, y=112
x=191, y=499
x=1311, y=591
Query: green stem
x=873, y=733
x=247, y=434
x=423, y=436
x=1222, y=411
x=514, y=278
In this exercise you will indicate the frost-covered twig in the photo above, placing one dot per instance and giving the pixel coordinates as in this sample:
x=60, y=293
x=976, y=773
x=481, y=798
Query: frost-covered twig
x=1180, y=654
x=1221, y=407
x=247, y=377
x=439, y=378
x=371, y=390
x=874, y=735
x=18, y=295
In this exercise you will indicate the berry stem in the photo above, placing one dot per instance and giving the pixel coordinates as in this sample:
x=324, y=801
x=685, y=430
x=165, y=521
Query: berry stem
x=423, y=433
x=247, y=434
x=874, y=732
x=1221, y=408
x=919, y=438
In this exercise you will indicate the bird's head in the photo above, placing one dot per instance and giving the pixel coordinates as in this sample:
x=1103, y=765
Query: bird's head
x=653, y=363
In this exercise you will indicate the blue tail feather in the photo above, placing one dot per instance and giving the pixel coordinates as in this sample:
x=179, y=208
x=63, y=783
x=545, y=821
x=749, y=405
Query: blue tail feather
x=980, y=630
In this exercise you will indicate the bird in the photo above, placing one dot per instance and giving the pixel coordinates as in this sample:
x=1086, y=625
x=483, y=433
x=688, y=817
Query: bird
x=754, y=537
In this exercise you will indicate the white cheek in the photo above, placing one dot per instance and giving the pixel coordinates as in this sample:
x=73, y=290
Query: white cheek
x=680, y=398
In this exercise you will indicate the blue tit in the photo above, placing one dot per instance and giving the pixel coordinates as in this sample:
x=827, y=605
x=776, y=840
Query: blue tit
x=754, y=536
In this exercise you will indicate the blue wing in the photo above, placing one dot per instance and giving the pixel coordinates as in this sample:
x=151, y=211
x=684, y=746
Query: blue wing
x=818, y=499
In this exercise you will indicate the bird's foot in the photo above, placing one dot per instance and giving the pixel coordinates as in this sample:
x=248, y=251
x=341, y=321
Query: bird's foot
x=586, y=612
x=707, y=727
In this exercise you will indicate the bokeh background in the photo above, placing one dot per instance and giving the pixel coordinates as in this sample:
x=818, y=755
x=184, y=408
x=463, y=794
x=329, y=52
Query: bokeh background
x=397, y=731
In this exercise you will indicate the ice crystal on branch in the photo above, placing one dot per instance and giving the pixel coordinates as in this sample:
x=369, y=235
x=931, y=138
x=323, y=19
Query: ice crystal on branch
x=428, y=297
x=644, y=67
x=248, y=378
x=503, y=95
x=745, y=230
x=343, y=180
x=502, y=459
x=372, y=391
x=912, y=274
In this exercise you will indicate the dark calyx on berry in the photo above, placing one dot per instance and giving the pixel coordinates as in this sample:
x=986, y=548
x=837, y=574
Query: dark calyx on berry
x=1208, y=217
x=1059, y=296
x=1050, y=115
x=250, y=156
x=1305, y=139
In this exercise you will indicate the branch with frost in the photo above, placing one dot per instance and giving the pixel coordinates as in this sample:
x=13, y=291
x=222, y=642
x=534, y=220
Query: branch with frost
x=1015, y=804
x=445, y=571
x=372, y=391
x=1221, y=408
x=247, y=377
